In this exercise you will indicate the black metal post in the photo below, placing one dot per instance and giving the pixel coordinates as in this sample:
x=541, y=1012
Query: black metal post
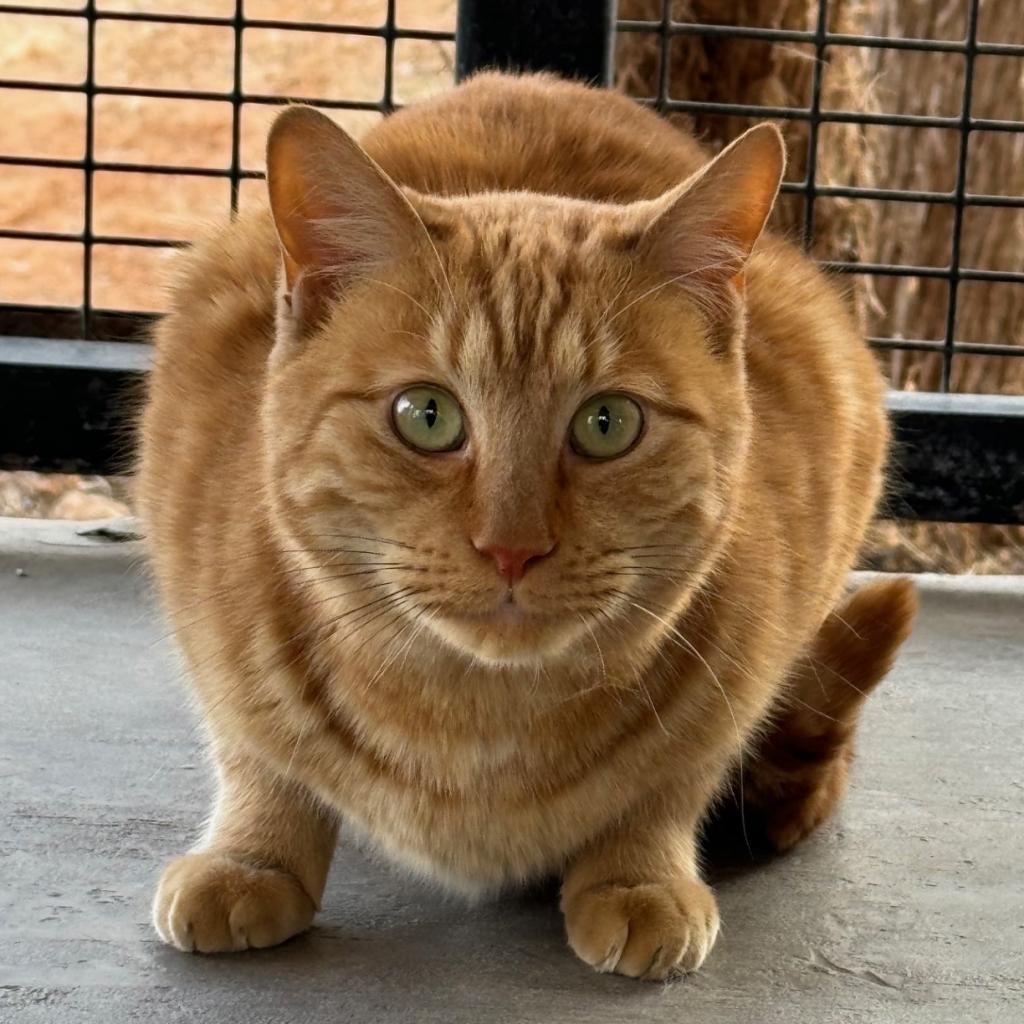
x=573, y=38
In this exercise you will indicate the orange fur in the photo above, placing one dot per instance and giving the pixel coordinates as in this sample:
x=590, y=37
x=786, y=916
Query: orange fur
x=354, y=654
x=799, y=769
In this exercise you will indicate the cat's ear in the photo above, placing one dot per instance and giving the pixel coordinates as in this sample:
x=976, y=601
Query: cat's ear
x=338, y=215
x=701, y=232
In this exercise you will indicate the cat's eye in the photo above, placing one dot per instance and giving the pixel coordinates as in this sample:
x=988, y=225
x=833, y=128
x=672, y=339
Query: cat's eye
x=428, y=419
x=606, y=426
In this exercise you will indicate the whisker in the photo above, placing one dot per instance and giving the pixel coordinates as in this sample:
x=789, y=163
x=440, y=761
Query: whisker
x=398, y=612
x=268, y=553
x=640, y=572
x=225, y=591
x=371, y=540
x=405, y=294
x=664, y=284
x=682, y=640
x=644, y=547
x=348, y=593
x=386, y=598
x=404, y=649
x=367, y=566
x=597, y=646
x=392, y=608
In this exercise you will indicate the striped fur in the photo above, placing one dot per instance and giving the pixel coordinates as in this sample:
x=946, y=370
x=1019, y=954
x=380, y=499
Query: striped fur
x=352, y=652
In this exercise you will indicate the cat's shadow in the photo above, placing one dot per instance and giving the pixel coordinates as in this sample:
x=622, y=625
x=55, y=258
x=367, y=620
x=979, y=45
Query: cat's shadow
x=732, y=848
x=380, y=932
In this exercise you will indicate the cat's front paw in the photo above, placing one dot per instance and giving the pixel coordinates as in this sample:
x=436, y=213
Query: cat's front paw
x=214, y=903
x=645, y=931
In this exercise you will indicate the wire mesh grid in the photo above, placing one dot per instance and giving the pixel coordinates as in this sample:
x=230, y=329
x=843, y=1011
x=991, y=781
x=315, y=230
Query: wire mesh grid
x=367, y=48
x=91, y=317
x=819, y=41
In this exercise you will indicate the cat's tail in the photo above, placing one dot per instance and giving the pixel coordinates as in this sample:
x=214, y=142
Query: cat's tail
x=799, y=770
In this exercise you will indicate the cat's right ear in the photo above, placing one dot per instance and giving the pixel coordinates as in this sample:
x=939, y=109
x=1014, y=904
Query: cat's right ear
x=701, y=233
x=338, y=215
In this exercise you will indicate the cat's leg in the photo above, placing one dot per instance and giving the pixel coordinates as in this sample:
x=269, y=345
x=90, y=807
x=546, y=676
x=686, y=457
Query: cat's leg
x=634, y=902
x=258, y=876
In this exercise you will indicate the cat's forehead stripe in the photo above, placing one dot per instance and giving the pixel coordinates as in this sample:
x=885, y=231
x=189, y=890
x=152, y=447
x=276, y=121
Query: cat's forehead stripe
x=521, y=306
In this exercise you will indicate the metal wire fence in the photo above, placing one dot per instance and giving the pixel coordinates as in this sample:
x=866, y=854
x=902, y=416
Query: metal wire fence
x=91, y=320
x=233, y=29
x=965, y=123
x=62, y=402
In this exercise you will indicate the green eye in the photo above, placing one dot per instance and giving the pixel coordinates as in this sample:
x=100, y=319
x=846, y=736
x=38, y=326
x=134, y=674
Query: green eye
x=429, y=419
x=606, y=426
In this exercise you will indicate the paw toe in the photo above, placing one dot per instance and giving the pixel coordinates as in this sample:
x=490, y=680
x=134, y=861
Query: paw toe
x=213, y=903
x=646, y=931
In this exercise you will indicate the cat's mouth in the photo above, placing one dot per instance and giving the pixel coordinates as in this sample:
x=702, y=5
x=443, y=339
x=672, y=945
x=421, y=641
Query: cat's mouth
x=506, y=632
x=507, y=612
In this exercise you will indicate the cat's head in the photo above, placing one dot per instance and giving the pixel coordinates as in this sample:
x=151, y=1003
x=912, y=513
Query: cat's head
x=507, y=419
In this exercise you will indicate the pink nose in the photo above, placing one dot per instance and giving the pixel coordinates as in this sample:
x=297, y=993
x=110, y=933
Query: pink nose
x=512, y=563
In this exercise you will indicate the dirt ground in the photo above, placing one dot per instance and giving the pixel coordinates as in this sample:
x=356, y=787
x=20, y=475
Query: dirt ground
x=197, y=134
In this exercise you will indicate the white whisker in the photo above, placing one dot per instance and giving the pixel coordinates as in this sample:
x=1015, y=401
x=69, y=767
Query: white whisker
x=681, y=640
x=664, y=284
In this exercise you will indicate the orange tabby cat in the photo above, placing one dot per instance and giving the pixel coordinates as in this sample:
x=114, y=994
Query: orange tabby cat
x=501, y=491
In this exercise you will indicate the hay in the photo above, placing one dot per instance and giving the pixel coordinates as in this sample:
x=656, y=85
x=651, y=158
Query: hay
x=992, y=238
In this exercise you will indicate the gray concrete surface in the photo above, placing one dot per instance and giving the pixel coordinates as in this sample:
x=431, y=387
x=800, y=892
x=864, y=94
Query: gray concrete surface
x=908, y=908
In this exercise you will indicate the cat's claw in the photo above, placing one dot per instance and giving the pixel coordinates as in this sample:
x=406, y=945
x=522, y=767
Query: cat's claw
x=214, y=903
x=651, y=931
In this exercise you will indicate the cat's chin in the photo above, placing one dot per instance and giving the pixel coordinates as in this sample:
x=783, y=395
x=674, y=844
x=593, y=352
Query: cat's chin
x=506, y=635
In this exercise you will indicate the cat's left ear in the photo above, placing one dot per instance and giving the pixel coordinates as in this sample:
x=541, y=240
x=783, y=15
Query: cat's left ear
x=702, y=232
x=338, y=215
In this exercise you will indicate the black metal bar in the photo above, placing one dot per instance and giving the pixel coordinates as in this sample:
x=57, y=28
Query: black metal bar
x=837, y=116
x=957, y=458
x=67, y=409
x=190, y=94
x=235, y=171
x=905, y=195
x=900, y=270
x=388, y=99
x=570, y=37
x=71, y=236
x=155, y=17
x=810, y=182
x=48, y=322
x=966, y=348
x=961, y=186
x=90, y=130
x=782, y=35
x=664, y=54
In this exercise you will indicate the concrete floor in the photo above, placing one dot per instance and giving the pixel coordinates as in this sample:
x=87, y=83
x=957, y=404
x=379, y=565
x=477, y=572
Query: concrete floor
x=909, y=908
